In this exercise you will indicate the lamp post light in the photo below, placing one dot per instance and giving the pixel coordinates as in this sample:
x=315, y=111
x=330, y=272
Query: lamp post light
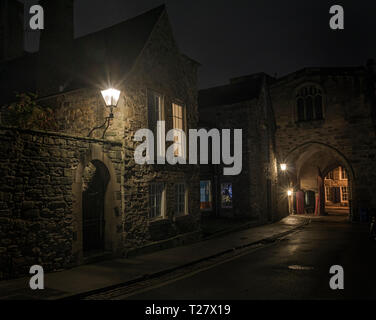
x=290, y=200
x=111, y=98
x=283, y=166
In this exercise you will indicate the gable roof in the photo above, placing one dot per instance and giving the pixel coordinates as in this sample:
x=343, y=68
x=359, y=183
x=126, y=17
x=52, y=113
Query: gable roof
x=93, y=59
x=230, y=94
x=114, y=50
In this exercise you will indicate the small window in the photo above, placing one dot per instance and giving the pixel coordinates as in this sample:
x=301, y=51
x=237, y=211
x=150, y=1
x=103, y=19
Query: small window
x=328, y=194
x=345, y=194
x=330, y=175
x=178, y=121
x=309, y=104
x=156, y=200
x=181, y=201
x=155, y=114
x=226, y=195
x=301, y=112
x=205, y=195
x=343, y=174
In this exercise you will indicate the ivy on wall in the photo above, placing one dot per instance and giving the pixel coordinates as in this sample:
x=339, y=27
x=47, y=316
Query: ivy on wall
x=26, y=113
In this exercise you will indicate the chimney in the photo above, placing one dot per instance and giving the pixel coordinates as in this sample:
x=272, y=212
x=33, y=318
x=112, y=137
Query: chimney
x=11, y=29
x=56, y=46
x=58, y=24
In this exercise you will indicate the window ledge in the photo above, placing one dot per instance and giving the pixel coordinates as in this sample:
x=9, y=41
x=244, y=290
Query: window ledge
x=310, y=123
x=158, y=219
x=180, y=216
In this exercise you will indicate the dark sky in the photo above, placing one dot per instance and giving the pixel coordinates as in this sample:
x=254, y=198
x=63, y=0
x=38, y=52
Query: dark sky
x=236, y=37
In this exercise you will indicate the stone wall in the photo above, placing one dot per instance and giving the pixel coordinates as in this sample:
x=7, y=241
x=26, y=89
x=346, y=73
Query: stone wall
x=163, y=69
x=347, y=128
x=42, y=208
x=250, y=191
x=38, y=224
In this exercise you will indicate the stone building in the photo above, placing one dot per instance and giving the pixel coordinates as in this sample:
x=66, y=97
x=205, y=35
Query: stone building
x=325, y=118
x=66, y=197
x=336, y=185
x=253, y=194
x=311, y=121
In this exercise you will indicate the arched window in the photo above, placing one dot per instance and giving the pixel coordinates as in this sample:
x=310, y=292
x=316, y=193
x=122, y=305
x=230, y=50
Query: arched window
x=309, y=104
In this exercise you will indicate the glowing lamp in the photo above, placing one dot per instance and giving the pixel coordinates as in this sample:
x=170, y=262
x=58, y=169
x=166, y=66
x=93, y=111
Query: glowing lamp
x=283, y=166
x=289, y=192
x=111, y=97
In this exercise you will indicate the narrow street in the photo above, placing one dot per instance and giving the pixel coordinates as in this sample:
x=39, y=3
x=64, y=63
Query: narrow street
x=296, y=267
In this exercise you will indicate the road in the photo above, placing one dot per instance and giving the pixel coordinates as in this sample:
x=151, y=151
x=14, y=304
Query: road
x=269, y=272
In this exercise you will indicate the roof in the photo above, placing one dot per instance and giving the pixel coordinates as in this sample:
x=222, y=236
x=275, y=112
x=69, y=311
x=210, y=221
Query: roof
x=322, y=71
x=115, y=49
x=93, y=59
x=230, y=94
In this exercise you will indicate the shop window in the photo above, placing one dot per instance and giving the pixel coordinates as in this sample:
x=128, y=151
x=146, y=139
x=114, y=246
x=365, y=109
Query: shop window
x=226, y=195
x=205, y=195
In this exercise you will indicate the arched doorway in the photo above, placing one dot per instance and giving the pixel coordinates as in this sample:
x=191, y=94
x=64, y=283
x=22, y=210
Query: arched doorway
x=308, y=165
x=95, y=181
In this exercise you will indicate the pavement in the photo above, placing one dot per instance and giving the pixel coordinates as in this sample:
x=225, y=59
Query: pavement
x=295, y=267
x=94, y=277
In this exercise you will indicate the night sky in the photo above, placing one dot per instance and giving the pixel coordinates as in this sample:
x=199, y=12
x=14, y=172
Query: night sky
x=231, y=38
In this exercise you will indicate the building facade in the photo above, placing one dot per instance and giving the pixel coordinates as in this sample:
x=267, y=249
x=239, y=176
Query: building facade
x=66, y=197
x=253, y=194
x=337, y=188
x=326, y=119
x=297, y=130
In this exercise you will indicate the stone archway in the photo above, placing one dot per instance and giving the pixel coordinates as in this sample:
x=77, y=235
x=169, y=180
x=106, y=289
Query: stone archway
x=310, y=162
x=95, y=181
x=95, y=173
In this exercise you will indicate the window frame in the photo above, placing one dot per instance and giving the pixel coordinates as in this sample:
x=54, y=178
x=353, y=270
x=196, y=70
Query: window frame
x=210, y=195
x=232, y=195
x=183, y=107
x=162, y=206
x=345, y=194
x=159, y=115
x=310, y=91
x=343, y=174
x=177, y=190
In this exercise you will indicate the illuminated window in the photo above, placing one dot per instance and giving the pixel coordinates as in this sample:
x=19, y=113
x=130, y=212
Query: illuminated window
x=345, y=193
x=205, y=195
x=178, y=119
x=181, y=199
x=327, y=194
x=343, y=174
x=330, y=175
x=309, y=104
x=226, y=195
x=156, y=200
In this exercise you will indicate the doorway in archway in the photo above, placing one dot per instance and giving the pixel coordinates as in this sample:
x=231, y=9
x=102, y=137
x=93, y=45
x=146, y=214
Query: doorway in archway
x=311, y=167
x=95, y=181
x=337, y=191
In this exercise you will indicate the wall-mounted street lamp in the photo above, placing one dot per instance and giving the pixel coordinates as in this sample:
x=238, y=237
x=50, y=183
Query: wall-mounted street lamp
x=111, y=98
x=283, y=166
